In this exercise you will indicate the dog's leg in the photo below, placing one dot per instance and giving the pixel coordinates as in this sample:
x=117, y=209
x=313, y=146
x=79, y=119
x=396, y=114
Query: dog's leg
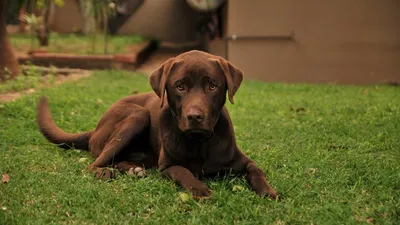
x=187, y=180
x=256, y=177
x=120, y=138
x=131, y=168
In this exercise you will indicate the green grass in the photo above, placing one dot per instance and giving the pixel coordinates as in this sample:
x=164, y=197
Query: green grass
x=76, y=44
x=337, y=162
x=30, y=79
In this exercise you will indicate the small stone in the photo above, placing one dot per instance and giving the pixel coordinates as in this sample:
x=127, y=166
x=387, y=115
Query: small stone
x=31, y=90
x=4, y=208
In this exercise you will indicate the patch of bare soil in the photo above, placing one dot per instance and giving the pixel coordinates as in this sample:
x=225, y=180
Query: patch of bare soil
x=59, y=78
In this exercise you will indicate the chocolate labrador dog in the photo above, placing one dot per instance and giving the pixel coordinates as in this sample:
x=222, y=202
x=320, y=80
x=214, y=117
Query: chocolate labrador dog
x=183, y=127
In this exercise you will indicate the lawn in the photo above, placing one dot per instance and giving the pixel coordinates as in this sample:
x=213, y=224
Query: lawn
x=76, y=44
x=333, y=152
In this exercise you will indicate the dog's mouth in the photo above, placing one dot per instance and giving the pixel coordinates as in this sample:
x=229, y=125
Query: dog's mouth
x=199, y=134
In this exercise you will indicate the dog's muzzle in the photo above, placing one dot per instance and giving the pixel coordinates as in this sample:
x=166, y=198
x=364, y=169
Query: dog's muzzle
x=199, y=134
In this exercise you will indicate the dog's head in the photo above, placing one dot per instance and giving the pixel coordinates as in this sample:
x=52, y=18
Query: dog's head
x=196, y=84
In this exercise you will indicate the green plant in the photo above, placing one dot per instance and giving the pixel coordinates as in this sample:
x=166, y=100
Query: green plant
x=31, y=79
x=51, y=77
x=33, y=23
x=7, y=73
x=103, y=10
x=44, y=3
x=39, y=23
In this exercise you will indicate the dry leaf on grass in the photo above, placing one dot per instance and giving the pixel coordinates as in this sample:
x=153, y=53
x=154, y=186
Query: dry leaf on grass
x=5, y=178
x=300, y=109
x=237, y=188
x=81, y=160
x=185, y=197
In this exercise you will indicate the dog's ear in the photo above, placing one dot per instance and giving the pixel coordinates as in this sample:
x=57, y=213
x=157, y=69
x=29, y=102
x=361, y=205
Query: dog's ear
x=233, y=76
x=159, y=77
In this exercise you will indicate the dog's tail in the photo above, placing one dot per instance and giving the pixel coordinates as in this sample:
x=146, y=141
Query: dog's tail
x=57, y=136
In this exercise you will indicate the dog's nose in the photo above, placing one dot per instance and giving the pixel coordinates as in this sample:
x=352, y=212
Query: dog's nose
x=195, y=115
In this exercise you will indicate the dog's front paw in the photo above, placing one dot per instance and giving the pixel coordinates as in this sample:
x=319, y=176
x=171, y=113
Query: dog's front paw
x=268, y=193
x=199, y=190
x=262, y=188
x=137, y=171
x=103, y=173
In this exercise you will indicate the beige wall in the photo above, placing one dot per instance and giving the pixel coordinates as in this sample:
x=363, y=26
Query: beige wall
x=65, y=19
x=343, y=41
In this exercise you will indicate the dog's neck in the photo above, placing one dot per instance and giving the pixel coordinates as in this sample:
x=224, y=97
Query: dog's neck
x=183, y=150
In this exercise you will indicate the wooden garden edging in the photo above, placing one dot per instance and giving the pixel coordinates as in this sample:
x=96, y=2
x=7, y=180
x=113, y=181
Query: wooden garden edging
x=92, y=62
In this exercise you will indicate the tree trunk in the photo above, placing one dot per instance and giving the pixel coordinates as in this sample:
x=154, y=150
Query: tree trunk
x=8, y=61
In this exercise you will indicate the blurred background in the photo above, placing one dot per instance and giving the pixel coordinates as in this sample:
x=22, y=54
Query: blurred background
x=312, y=41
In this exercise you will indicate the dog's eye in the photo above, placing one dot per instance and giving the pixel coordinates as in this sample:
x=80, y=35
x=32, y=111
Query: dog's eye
x=180, y=87
x=212, y=87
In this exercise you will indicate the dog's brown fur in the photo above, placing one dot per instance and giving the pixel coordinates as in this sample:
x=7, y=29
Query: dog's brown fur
x=183, y=128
